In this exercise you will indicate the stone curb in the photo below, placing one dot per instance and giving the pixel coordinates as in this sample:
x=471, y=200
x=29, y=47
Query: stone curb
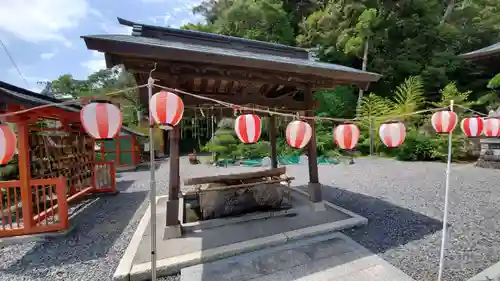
x=491, y=273
x=193, y=226
x=122, y=272
x=173, y=265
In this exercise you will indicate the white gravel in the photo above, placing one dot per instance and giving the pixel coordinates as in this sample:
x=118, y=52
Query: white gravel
x=403, y=202
x=92, y=251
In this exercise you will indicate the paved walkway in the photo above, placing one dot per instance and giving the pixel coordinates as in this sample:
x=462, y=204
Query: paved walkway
x=332, y=257
x=492, y=273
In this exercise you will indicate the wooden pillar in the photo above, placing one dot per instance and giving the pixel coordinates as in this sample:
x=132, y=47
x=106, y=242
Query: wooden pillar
x=315, y=192
x=25, y=173
x=117, y=151
x=272, y=140
x=174, y=178
x=166, y=146
x=133, y=146
x=102, y=150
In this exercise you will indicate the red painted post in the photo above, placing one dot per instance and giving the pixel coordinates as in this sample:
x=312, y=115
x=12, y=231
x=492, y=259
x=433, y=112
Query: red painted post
x=102, y=151
x=117, y=152
x=25, y=173
x=134, y=150
x=62, y=204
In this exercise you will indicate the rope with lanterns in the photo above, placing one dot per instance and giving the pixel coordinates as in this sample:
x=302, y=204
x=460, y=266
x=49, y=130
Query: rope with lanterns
x=103, y=120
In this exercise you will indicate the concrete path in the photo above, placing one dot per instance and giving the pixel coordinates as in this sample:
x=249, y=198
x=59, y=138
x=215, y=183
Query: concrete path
x=492, y=273
x=332, y=257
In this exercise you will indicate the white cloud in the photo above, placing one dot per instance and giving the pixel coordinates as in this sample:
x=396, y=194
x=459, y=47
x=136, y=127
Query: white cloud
x=42, y=20
x=48, y=55
x=180, y=12
x=94, y=64
x=165, y=19
x=113, y=28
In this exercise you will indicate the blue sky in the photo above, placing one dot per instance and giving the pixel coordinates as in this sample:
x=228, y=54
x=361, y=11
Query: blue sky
x=43, y=36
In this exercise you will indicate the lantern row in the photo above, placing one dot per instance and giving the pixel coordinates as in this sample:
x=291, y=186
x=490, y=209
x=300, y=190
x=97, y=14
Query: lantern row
x=103, y=120
x=346, y=136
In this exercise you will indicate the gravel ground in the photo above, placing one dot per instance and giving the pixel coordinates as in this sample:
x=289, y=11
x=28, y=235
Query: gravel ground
x=102, y=231
x=403, y=202
x=404, y=205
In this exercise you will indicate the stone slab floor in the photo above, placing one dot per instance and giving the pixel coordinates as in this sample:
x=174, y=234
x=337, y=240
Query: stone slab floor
x=332, y=257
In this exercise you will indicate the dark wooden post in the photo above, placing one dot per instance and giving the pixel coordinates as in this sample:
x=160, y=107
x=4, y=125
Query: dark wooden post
x=315, y=192
x=174, y=178
x=272, y=140
x=166, y=141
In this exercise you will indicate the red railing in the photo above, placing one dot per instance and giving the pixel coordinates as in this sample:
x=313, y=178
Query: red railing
x=48, y=209
x=47, y=212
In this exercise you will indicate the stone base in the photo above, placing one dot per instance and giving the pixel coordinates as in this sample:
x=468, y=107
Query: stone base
x=229, y=240
x=172, y=212
x=483, y=163
x=317, y=206
x=173, y=231
x=315, y=192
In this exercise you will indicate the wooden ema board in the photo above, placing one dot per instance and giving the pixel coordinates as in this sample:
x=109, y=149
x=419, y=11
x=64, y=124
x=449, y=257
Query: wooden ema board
x=274, y=172
x=70, y=156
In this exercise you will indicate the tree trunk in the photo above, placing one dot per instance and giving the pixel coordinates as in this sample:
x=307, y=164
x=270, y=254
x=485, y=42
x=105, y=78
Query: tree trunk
x=449, y=9
x=363, y=67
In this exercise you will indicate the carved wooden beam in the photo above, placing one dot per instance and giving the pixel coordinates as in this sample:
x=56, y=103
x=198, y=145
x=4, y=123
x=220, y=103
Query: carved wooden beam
x=210, y=71
x=240, y=100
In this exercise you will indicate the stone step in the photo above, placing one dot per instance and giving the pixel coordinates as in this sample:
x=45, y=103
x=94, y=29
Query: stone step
x=322, y=258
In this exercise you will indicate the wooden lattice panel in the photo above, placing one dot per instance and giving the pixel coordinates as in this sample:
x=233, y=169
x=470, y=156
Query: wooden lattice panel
x=70, y=156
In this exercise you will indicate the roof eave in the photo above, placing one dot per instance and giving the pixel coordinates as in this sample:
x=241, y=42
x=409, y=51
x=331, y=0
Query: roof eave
x=103, y=45
x=37, y=100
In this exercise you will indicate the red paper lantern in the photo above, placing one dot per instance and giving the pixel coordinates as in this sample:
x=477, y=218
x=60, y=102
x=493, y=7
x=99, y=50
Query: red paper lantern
x=8, y=144
x=101, y=119
x=248, y=128
x=444, y=121
x=166, y=108
x=298, y=134
x=346, y=136
x=392, y=134
x=491, y=127
x=472, y=126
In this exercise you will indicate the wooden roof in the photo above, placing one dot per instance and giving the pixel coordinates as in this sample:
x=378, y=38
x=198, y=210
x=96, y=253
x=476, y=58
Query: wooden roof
x=13, y=95
x=487, y=56
x=231, y=69
x=486, y=52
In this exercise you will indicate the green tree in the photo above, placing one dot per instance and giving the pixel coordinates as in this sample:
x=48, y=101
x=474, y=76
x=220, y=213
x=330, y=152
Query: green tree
x=199, y=27
x=405, y=40
x=101, y=84
x=494, y=82
x=224, y=142
x=263, y=20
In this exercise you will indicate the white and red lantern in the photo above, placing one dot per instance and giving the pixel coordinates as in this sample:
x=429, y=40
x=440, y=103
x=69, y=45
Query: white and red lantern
x=8, y=144
x=166, y=108
x=444, y=121
x=346, y=136
x=392, y=134
x=472, y=126
x=101, y=119
x=248, y=128
x=491, y=127
x=298, y=134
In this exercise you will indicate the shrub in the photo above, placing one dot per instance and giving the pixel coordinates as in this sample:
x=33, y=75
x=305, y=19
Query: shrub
x=416, y=147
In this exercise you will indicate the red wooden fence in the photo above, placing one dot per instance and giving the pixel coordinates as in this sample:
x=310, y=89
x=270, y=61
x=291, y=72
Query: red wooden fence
x=48, y=209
